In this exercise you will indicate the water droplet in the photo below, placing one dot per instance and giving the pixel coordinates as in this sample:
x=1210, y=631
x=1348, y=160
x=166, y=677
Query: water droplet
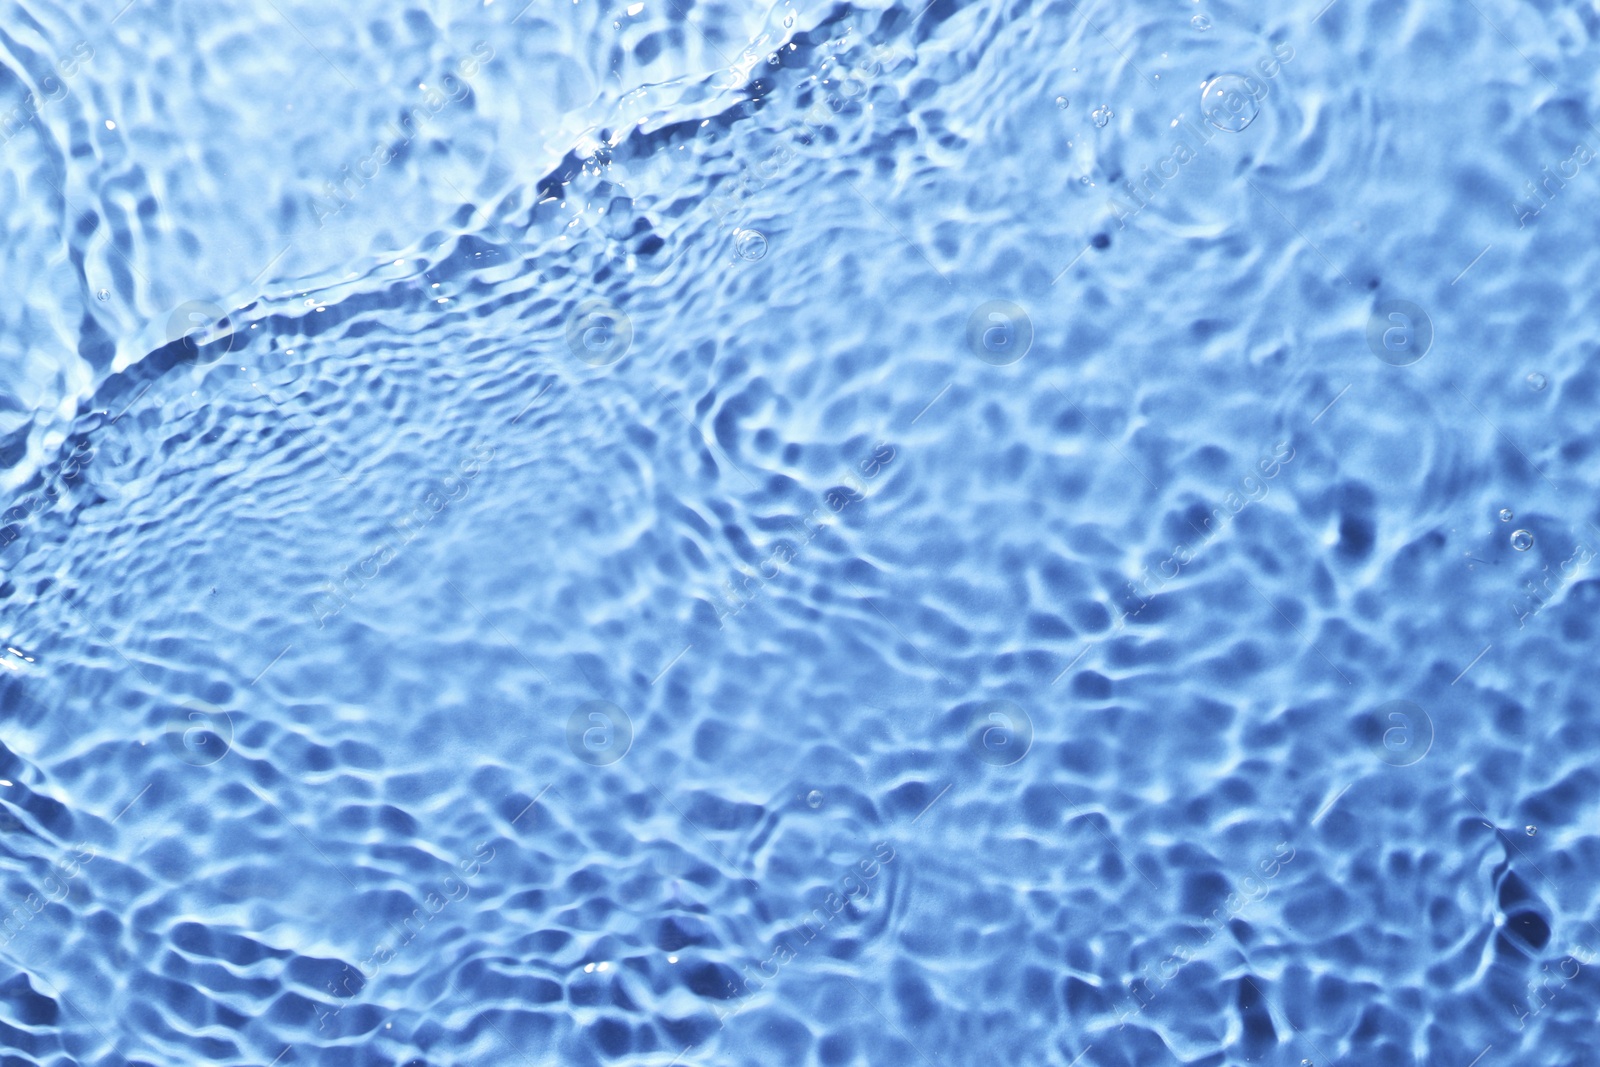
x=1062, y=102
x=1537, y=382
x=1230, y=102
x=814, y=798
x=104, y=294
x=1531, y=829
x=1101, y=115
x=749, y=244
x=1522, y=540
x=1201, y=23
x=1506, y=515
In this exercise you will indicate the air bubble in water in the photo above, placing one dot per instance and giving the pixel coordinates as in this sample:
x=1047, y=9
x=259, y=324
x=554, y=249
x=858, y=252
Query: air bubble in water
x=1537, y=382
x=1506, y=515
x=104, y=294
x=1101, y=115
x=814, y=798
x=1201, y=23
x=788, y=21
x=1522, y=540
x=1230, y=102
x=1531, y=829
x=749, y=244
x=1062, y=102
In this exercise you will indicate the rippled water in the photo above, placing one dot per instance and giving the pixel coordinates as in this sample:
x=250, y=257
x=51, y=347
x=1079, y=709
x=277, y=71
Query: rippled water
x=705, y=533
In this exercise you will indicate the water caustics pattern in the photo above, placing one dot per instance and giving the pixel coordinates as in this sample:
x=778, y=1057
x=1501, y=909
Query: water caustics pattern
x=681, y=532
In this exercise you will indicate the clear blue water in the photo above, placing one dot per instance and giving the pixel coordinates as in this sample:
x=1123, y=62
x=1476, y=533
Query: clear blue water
x=708, y=533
